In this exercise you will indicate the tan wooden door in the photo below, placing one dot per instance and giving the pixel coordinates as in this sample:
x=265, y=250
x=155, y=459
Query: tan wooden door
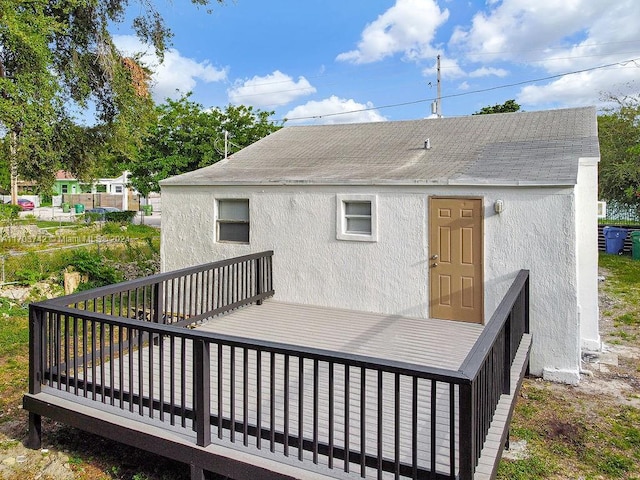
x=455, y=259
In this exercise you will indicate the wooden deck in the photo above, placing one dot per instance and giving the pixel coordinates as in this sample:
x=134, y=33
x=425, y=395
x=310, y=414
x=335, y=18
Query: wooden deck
x=421, y=341
x=282, y=390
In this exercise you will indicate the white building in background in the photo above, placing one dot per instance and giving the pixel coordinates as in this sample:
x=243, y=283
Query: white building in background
x=423, y=218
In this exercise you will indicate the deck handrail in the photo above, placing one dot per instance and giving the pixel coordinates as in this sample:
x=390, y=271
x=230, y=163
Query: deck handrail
x=94, y=351
x=488, y=367
x=152, y=279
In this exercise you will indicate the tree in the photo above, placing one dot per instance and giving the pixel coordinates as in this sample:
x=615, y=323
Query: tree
x=508, y=106
x=57, y=57
x=187, y=137
x=619, y=135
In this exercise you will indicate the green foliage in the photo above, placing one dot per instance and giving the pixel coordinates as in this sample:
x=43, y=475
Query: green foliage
x=9, y=212
x=506, y=107
x=100, y=273
x=619, y=134
x=124, y=217
x=56, y=59
x=187, y=136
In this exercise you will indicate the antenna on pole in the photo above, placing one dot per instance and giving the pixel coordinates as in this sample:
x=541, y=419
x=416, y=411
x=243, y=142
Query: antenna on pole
x=436, y=105
x=226, y=144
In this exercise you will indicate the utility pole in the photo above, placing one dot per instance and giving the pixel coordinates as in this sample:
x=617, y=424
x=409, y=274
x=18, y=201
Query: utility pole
x=13, y=152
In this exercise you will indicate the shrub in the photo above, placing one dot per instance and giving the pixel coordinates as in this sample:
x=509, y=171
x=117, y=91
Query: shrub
x=9, y=212
x=120, y=217
x=92, y=264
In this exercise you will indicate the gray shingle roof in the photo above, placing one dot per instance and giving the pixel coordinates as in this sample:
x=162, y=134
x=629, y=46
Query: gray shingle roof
x=532, y=148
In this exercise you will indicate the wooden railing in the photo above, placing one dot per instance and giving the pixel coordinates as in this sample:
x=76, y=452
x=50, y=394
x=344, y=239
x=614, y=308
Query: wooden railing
x=342, y=411
x=488, y=367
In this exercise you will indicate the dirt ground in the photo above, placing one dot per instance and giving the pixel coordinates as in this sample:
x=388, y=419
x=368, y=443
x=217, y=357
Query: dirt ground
x=610, y=379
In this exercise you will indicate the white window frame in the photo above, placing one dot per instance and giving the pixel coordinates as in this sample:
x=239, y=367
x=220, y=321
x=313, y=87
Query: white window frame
x=231, y=220
x=341, y=217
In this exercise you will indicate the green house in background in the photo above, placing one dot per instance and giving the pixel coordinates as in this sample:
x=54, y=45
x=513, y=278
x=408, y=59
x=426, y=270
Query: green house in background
x=66, y=183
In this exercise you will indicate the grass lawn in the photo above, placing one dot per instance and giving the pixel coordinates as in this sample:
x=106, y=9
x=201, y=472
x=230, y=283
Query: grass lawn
x=591, y=431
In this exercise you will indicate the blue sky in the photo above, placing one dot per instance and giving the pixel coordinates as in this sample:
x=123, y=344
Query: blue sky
x=314, y=61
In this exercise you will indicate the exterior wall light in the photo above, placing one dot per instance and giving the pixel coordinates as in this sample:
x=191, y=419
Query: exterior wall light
x=498, y=206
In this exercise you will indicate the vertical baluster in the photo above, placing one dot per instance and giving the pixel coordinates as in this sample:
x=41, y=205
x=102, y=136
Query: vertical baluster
x=161, y=375
x=414, y=428
x=151, y=371
x=347, y=418
x=85, y=358
x=452, y=431
x=315, y=410
x=245, y=397
x=75, y=355
x=286, y=405
x=130, y=337
x=331, y=413
x=272, y=401
x=363, y=422
x=172, y=379
x=93, y=359
x=140, y=372
x=220, y=390
x=434, y=436
x=102, y=361
x=396, y=421
x=66, y=352
x=232, y=392
x=259, y=398
x=57, y=348
x=112, y=361
x=300, y=408
x=380, y=420
x=121, y=366
x=183, y=382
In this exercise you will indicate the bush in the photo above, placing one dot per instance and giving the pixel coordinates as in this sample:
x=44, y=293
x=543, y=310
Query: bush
x=9, y=212
x=120, y=217
x=92, y=264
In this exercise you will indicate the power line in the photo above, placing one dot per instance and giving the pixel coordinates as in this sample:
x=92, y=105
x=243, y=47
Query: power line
x=454, y=95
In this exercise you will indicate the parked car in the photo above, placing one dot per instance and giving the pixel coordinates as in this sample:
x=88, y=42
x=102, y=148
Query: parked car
x=99, y=213
x=24, y=204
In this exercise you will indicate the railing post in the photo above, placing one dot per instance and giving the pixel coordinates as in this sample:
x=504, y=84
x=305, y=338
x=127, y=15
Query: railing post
x=526, y=304
x=158, y=301
x=467, y=429
x=35, y=349
x=35, y=373
x=259, y=273
x=202, y=392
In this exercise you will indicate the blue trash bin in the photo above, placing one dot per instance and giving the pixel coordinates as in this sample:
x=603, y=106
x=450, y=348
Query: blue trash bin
x=614, y=239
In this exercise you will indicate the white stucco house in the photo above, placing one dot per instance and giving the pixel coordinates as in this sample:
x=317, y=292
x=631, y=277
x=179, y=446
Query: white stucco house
x=425, y=218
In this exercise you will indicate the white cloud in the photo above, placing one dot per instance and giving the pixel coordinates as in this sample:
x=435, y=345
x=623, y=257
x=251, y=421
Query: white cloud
x=464, y=86
x=408, y=27
x=274, y=89
x=176, y=74
x=556, y=37
x=488, y=71
x=331, y=105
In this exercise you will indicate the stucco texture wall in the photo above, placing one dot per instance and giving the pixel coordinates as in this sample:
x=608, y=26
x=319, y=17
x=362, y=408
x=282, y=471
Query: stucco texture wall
x=536, y=231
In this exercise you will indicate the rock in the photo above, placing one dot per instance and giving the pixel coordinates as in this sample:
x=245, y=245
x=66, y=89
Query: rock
x=9, y=461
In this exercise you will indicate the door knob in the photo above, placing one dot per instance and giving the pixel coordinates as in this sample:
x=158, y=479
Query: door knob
x=434, y=264
x=434, y=257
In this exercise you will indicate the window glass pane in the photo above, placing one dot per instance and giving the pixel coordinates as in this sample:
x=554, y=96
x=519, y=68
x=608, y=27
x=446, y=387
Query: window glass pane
x=357, y=208
x=359, y=225
x=233, y=232
x=233, y=210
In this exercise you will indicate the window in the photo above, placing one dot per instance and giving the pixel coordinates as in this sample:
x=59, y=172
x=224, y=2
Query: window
x=118, y=188
x=233, y=220
x=64, y=188
x=357, y=218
